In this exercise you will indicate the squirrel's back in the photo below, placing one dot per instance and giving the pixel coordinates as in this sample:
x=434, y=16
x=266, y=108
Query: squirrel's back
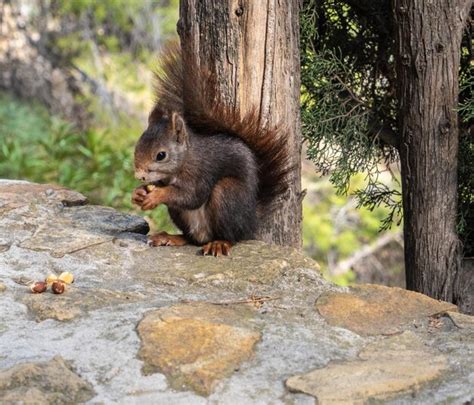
x=191, y=92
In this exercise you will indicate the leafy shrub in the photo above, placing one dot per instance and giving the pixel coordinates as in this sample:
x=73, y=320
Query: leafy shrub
x=334, y=227
x=40, y=148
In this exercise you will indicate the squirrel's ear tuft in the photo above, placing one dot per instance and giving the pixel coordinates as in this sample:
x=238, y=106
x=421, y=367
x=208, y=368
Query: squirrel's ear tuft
x=178, y=127
x=156, y=115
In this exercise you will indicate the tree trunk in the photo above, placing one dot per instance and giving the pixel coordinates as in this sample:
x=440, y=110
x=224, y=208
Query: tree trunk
x=427, y=58
x=253, y=49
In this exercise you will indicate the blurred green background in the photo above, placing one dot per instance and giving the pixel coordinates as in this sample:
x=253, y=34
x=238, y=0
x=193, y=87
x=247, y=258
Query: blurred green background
x=106, y=52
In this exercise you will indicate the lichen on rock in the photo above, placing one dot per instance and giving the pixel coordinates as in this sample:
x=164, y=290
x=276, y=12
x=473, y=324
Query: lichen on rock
x=196, y=345
x=378, y=310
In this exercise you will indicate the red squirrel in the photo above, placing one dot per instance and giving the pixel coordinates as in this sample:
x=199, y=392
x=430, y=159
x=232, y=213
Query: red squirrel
x=217, y=172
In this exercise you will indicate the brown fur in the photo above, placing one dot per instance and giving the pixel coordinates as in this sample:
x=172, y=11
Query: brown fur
x=216, y=171
x=190, y=90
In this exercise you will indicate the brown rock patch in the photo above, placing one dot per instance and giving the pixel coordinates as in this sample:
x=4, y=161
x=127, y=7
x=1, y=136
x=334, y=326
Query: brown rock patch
x=51, y=382
x=375, y=309
x=385, y=368
x=196, y=345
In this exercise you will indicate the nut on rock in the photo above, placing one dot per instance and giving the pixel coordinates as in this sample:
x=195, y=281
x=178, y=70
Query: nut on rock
x=38, y=287
x=66, y=277
x=51, y=279
x=58, y=287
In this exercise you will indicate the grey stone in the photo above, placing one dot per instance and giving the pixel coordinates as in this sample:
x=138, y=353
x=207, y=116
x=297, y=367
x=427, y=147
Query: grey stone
x=56, y=220
x=461, y=320
x=50, y=382
x=385, y=368
x=264, y=295
x=74, y=302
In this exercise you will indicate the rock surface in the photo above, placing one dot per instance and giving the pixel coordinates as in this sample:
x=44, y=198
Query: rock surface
x=50, y=382
x=165, y=325
x=378, y=310
x=75, y=302
x=386, y=367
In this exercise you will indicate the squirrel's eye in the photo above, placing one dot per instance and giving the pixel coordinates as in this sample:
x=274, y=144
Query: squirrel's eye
x=160, y=156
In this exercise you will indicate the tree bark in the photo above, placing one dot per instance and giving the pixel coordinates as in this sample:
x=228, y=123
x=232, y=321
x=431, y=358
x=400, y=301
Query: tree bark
x=427, y=59
x=252, y=47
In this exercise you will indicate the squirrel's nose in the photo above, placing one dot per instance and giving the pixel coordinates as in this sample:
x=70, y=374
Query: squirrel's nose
x=140, y=176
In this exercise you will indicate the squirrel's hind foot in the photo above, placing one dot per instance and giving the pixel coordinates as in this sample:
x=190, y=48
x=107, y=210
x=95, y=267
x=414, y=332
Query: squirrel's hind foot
x=165, y=239
x=217, y=248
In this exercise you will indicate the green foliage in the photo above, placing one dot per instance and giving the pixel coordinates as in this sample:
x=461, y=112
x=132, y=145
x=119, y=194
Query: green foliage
x=134, y=26
x=342, y=102
x=125, y=75
x=349, y=106
x=466, y=163
x=113, y=42
x=334, y=228
x=349, y=126
x=168, y=15
x=40, y=148
x=345, y=279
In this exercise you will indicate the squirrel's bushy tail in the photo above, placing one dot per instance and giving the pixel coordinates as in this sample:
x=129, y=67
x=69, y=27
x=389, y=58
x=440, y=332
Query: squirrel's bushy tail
x=189, y=90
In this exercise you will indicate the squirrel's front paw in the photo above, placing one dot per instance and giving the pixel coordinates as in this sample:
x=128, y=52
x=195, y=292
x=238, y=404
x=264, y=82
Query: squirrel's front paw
x=138, y=195
x=151, y=200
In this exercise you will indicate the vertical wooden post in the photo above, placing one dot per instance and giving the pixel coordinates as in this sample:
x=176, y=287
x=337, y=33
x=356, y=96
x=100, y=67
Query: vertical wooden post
x=252, y=47
x=427, y=55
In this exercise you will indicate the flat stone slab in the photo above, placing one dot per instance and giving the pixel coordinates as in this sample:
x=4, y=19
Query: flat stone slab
x=50, y=382
x=53, y=219
x=378, y=310
x=196, y=345
x=71, y=230
x=15, y=194
x=385, y=368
